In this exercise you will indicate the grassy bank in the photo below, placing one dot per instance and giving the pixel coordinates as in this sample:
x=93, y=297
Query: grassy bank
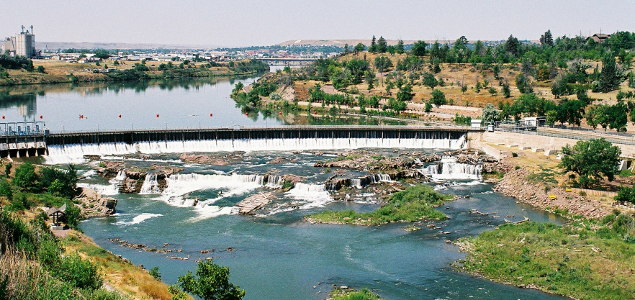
x=412, y=204
x=346, y=294
x=588, y=259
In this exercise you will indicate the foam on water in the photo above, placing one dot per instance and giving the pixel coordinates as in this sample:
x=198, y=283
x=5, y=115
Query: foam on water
x=112, y=189
x=140, y=218
x=315, y=195
x=450, y=169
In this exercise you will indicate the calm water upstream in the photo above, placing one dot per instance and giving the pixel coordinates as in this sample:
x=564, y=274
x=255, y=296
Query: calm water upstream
x=275, y=255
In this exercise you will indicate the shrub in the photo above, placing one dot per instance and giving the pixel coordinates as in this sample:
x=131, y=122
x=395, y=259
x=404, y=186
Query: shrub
x=78, y=272
x=25, y=177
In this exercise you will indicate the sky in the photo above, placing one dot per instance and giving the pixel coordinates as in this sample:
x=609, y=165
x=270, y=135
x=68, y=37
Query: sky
x=234, y=23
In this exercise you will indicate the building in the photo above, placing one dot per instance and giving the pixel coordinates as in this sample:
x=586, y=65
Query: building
x=22, y=44
x=599, y=37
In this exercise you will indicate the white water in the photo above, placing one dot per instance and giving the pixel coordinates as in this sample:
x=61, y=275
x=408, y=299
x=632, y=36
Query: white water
x=140, y=218
x=112, y=189
x=121, y=176
x=150, y=185
x=356, y=182
x=450, y=169
x=274, y=182
x=315, y=195
x=75, y=153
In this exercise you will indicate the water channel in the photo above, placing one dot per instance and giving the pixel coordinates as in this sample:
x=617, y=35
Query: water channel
x=275, y=254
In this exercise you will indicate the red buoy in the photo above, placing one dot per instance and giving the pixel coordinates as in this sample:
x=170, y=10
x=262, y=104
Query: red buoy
x=81, y=116
x=211, y=114
x=157, y=115
x=315, y=112
x=3, y=117
x=119, y=116
x=40, y=117
x=246, y=114
x=280, y=114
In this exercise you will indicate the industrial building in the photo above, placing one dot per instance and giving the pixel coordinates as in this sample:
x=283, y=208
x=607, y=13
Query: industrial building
x=22, y=44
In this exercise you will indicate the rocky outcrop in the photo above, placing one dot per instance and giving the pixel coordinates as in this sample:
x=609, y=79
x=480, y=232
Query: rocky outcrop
x=93, y=204
x=254, y=202
x=211, y=159
x=515, y=184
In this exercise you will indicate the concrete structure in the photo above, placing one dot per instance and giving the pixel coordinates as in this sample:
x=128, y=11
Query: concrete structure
x=22, y=44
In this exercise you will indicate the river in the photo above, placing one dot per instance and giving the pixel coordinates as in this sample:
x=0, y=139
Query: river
x=274, y=255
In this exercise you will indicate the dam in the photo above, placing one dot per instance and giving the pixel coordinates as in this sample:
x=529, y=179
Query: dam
x=73, y=147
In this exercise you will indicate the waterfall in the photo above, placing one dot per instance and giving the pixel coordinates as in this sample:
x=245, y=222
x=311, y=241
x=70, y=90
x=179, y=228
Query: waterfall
x=450, y=169
x=274, y=182
x=150, y=185
x=74, y=153
x=356, y=183
x=315, y=195
x=121, y=175
x=381, y=178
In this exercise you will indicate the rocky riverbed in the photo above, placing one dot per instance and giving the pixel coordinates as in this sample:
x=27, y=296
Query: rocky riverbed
x=515, y=184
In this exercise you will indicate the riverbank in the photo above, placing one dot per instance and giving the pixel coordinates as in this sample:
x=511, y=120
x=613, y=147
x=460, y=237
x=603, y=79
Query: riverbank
x=126, y=71
x=588, y=259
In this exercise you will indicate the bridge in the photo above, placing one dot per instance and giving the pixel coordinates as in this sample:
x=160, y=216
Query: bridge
x=40, y=142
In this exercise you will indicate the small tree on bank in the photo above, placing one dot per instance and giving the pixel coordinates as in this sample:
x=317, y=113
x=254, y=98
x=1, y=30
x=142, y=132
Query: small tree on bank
x=591, y=160
x=211, y=283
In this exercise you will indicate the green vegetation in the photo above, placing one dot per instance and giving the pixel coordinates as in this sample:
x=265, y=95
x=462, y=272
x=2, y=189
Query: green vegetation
x=16, y=62
x=211, y=283
x=591, y=160
x=588, y=259
x=348, y=294
x=34, y=268
x=412, y=204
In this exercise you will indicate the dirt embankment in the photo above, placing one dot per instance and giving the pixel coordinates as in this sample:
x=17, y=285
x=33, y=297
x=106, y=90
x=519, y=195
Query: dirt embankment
x=516, y=184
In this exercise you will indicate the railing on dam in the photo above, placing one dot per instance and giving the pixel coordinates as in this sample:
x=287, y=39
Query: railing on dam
x=247, y=133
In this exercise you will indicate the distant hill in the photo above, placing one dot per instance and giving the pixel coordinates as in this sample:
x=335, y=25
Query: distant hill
x=351, y=42
x=338, y=43
x=89, y=45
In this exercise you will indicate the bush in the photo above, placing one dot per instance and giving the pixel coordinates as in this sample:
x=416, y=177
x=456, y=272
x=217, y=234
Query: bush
x=25, y=177
x=78, y=272
x=211, y=282
x=154, y=272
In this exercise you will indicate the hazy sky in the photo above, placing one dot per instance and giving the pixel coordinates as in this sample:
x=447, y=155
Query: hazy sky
x=243, y=23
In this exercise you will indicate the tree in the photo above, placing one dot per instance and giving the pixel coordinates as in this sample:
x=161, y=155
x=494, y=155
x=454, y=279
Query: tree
x=373, y=45
x=512, y=45
x=101, y=53
x=405, y=93
x=428, y=107
x=382, y=45
x=490, y=114
x=40, y=69
x=211, y=282
x=546, y=38
x=610, y=77
x=570, y=112
x=382, y=63
x=359, y=48
x=591, y=160
x=25, y=177
x=419, y=48
x=345, y=48
x=399, y=48
x=369, y=77
x=438, y=98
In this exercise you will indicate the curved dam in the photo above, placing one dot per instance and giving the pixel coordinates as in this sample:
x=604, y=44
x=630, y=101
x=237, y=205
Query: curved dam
x=72, y=147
